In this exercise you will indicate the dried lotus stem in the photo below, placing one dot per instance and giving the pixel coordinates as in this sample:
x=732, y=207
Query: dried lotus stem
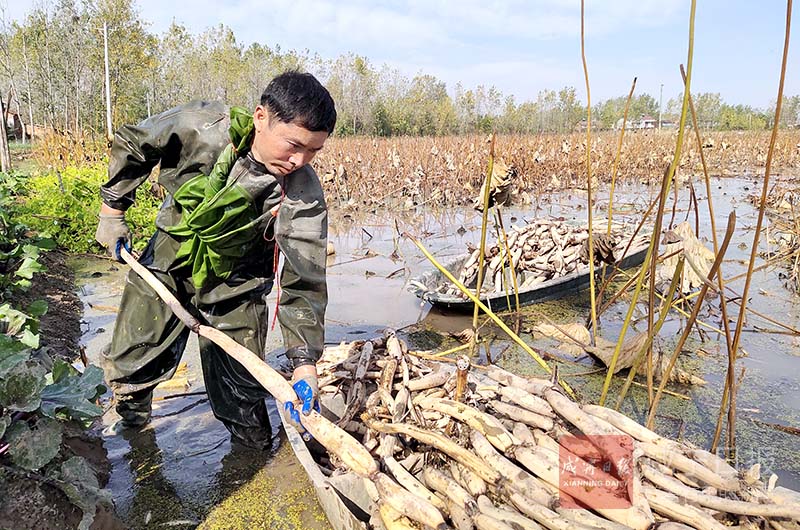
x=522, y=415
x=394, y=520
x=517, y=479
x=462, y=368
x=468, y=479
x=413, y=507
x=517, y=520
x=440, y=442
x=486, y=424
x=671, y=506
x=438, y=481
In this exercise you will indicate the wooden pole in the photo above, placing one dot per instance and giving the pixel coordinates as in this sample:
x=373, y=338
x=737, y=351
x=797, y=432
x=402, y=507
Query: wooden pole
x=109, y=133
x=32, y=129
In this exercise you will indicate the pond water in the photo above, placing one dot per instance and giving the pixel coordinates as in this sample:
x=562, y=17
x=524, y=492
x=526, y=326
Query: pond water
x=181, y=471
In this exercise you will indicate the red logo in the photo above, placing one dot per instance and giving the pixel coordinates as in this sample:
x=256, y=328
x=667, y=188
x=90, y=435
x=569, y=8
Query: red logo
x=595, y=471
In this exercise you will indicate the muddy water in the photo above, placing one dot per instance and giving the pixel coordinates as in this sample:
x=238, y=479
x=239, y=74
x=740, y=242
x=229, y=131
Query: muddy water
x=770, y=390
x=182, y=472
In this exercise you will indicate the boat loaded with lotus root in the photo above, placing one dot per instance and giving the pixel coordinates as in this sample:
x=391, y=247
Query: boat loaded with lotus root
x=549, y=257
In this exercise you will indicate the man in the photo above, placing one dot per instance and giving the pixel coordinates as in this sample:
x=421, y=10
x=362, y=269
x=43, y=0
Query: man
x=239, y=190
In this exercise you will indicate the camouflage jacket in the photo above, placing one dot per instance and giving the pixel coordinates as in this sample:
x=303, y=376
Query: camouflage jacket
x=186, y=141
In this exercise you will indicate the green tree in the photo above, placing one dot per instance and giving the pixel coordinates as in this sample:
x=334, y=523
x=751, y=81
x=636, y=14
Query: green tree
x=707, y=106
x=571, y=111
x=352, y=84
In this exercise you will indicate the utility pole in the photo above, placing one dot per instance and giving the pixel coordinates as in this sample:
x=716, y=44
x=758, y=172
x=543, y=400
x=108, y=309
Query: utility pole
x=5, y=155
x=109, y=136
x=660, y=100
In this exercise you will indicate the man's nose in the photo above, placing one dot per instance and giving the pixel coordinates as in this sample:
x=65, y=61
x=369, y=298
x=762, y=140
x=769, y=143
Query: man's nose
x=300, y=158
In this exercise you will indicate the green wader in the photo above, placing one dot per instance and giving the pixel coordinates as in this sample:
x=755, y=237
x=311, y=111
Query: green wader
x=148, y=344
x=148, y=340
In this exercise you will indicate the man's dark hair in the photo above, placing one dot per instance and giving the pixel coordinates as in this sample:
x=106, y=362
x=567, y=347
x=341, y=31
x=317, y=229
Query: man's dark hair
x=295, y=97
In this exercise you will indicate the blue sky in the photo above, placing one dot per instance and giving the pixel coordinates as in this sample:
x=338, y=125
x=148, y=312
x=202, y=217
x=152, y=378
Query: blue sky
x=519, y=46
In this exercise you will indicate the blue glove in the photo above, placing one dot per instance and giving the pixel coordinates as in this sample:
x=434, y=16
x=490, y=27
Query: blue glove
x=118, y=250
x=307, y=390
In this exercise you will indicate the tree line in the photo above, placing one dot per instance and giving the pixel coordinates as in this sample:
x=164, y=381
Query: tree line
x=52, y=75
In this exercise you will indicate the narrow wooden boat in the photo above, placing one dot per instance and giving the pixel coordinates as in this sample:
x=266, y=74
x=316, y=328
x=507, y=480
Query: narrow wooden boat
x=427, y=287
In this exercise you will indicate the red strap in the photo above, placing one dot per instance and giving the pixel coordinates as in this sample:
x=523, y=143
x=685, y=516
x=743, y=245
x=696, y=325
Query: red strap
x=275, y=272
x=278, y=285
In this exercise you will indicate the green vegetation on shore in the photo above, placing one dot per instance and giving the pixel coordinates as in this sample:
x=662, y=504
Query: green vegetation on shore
x=64, y=204
x=41, y=398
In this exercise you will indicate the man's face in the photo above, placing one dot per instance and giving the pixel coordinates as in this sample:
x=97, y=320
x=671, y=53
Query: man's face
x=283, y=147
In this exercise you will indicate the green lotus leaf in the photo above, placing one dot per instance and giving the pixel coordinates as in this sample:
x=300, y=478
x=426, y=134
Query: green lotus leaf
x=34, y=448
x=73, y=394
x=37, y=308
x=12, y=352
x=22, y=386
x=28, y=268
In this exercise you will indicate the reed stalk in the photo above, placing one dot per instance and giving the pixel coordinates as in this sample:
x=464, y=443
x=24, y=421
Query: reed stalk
x=482, y=253
x=513, y=271
x=607, y=281
x=502, y=243
x=737, y=335
x=590, y=206
x=690, y=322
x=617, y=156
x=665, y=186
x=720, y=278
x=453, y=350
x=666, y=304
x=789, y=329
x=614, y=170
x=637, y=289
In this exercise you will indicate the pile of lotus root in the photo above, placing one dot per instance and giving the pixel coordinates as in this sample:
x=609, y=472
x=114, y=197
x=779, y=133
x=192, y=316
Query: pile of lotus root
x=472, y=446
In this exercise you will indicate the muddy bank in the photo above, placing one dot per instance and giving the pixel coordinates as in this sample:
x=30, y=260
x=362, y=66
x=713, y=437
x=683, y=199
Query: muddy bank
x=61, y=325
x=30, y=500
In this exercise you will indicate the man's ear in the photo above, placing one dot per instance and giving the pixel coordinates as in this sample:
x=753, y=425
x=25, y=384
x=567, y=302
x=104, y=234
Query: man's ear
x=261, y=118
